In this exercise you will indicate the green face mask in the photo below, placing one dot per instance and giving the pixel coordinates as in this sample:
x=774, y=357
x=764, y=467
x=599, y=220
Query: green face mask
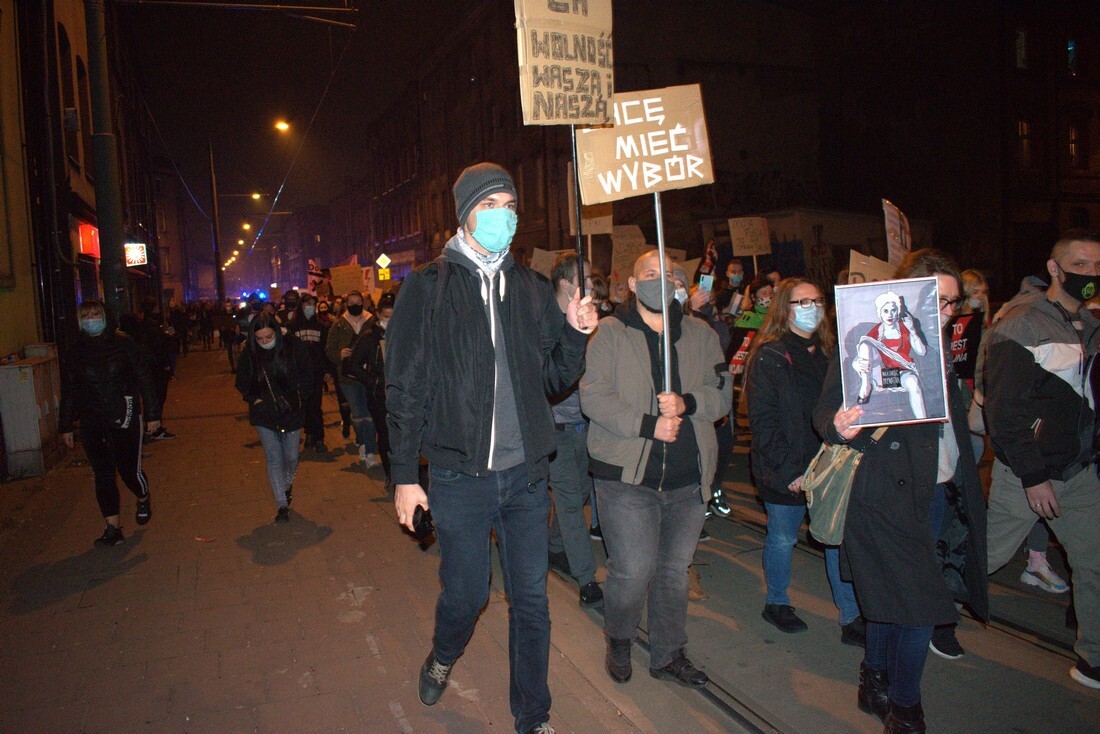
x=495, y=228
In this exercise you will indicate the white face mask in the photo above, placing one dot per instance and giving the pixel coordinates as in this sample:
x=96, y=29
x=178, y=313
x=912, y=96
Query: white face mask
x=681, y=295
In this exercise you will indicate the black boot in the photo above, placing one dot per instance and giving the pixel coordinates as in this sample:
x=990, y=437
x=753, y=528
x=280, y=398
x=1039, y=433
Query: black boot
x=873, y=685
x=905, y=719
x=618, y=659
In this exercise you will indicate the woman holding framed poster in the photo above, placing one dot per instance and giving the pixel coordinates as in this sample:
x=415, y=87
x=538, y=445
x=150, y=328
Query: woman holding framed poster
x=917, y=488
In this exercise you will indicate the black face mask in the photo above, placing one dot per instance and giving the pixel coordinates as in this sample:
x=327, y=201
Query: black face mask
x=1080, y=287
x=355, y=308
x=257, y=307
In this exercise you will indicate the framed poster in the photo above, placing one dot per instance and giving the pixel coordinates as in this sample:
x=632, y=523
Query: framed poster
x=891, y=351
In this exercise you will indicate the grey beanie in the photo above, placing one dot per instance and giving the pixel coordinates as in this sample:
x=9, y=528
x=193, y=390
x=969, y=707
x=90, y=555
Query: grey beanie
x=477, y=182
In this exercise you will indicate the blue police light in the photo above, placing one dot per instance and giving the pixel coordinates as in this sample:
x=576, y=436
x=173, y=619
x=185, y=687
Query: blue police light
x=261, y=295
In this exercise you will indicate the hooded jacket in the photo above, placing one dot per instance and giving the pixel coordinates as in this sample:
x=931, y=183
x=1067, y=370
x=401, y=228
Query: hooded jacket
x=619, y=395
x=276, y=383
x=1035, y=369
x=441, y=370
x=102, y=380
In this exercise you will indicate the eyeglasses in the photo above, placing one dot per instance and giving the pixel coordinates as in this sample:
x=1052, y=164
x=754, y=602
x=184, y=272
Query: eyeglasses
x=951, y=303
x=807, y=302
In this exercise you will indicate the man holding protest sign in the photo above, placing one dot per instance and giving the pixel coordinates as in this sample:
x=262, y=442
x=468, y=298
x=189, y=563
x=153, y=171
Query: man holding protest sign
x=653, y=455
x=475, y=345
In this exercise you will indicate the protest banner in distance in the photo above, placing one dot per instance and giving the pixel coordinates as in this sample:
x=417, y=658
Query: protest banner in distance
x=566, y=65
x=897, y=233
x=659, y=142
x=346, y=278
x=627, y=245
x=595, y=219
x=866, y=269
x=750, y=236
x=542, y=261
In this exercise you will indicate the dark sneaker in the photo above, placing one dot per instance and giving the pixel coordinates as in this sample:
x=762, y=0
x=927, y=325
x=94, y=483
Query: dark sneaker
x=1085, y=674
x=283, y=515
x=144, y=512
x=162, y=435
x=345, y=430
x=558, y=562
x=112, y=536
x=289, y=495
x=783, y=617
x=718, y=506
x=543, y=728
x=704, y=536
x=682, y=671
x=854, y=633
x=905, y=719
x=433, y=680
x=595, y=532
x=591, y=594
x=945, y=644
x=617, y=661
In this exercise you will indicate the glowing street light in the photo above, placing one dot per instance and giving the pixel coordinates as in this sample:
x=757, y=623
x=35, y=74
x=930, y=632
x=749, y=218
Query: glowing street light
x=237, y=252
x=239, y=242
x=256, y=195
x=282, y=126
x=246, y=226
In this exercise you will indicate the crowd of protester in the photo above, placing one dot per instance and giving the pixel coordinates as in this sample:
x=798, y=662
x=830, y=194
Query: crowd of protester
x=553, y=401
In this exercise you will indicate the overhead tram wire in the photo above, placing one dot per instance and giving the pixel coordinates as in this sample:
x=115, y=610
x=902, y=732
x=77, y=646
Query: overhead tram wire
x=301, y=144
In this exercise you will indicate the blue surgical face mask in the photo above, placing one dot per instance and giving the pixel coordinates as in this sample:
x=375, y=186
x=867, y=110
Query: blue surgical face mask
x=808, y=317
x=93, y=326
x=308, y=311
x=495, y=228
x=735, y=279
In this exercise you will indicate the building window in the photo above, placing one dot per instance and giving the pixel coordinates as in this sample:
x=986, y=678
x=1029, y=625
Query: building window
x=1021, y=49
x=162, y=221
x=1023, y=144
x=68, y=97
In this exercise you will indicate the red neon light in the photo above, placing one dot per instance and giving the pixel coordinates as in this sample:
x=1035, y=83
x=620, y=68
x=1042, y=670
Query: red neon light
x=89, y=239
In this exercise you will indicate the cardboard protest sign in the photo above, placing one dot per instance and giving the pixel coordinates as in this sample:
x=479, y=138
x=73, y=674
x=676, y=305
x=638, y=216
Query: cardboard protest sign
x=659, y=142
x=346, y=278
x=866, y=269
x=627, y=245
x=595, y=219
x=891, y=351
x=750, y=236
x=690, y=267
x=898, y=240
x=542, y=261
x=566, y=65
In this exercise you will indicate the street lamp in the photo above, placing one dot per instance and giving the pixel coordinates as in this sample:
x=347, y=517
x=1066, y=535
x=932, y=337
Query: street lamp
x=282, y=126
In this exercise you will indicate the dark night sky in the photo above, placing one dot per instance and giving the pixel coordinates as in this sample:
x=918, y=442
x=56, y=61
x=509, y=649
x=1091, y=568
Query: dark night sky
x=226, y=76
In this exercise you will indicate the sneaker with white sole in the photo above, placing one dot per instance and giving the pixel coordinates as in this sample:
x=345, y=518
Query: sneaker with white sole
x=1085, y=674
x=1045, y=578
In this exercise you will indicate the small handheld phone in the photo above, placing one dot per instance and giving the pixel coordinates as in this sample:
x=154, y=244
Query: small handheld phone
x=706, y=282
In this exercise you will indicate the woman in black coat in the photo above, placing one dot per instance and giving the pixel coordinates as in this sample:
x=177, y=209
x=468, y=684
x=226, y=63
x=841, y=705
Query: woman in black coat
x=107, y=387
x=785, y=370
x=916, y=488
x=275, y=378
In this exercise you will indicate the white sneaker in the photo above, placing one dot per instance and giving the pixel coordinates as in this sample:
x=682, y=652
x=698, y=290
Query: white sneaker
x=362, y=454
x=372, y=460
x=1045, y=578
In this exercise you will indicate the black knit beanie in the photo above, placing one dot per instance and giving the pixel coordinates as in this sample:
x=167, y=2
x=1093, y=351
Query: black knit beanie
x=477, y=182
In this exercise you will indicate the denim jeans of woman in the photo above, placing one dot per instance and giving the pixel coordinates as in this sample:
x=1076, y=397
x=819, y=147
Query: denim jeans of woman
x=783, y=524
x=356, y=394
x=465, y=510
x=281, y=450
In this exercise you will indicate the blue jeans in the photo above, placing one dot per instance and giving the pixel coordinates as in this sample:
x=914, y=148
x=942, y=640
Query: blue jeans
x=901, y=652
x=783, y=524
x=651, y=538
x=281, y=449
x=465, y=509
x=356, y=394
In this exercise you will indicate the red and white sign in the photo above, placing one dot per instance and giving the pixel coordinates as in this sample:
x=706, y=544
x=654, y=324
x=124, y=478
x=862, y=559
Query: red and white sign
x=135, y=254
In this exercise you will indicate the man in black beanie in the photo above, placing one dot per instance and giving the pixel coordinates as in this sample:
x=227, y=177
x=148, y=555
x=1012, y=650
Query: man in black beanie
x=475, y=345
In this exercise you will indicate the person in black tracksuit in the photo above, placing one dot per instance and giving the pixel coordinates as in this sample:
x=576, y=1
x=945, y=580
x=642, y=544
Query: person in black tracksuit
x=107, y=387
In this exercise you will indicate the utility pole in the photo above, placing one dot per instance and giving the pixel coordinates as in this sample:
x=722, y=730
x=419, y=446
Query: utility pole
x=219, y=279
x=108, y=191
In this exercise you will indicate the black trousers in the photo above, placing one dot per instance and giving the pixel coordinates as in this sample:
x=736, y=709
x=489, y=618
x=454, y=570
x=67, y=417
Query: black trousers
x=315, y=421
x=114, y=451
x=376, y=403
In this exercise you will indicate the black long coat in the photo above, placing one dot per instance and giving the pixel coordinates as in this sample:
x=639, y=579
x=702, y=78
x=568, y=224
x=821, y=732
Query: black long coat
x=888, y=546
